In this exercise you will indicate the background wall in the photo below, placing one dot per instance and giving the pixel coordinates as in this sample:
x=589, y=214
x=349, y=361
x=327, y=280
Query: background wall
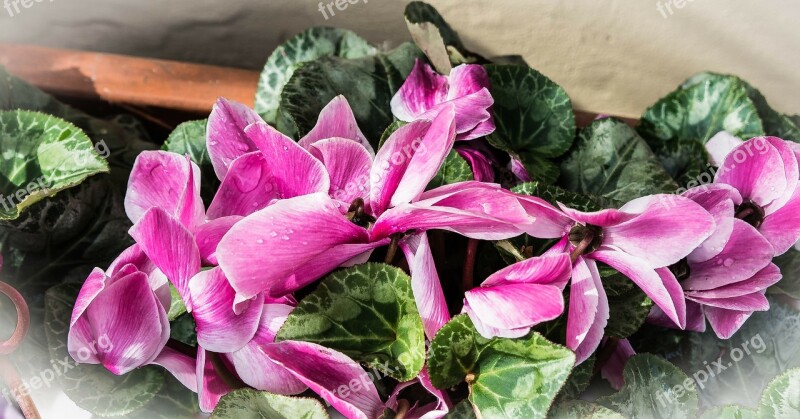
x=614, y=56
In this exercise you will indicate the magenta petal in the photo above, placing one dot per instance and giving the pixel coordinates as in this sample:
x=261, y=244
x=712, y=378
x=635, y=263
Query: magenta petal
x=604, y=218
x=550, y=269
x=209, y=234
x=515, y=305
x=171, y=248
x=719, y=146
x=336, y=120
x=294, y=233
x=480, y=164
x=181, y=366
x=613, y=368
x=759, y=176
x=790, y=169
x=682, y=223
x=466, y=79
x=749, y=302
x=726, y=322
x=210, y=387
x=336, y=378
x=782, y=227
x=745, y=254
x=129, y=323
x=255, y=367
x=225, y=135
x=348, y=164
x=472, y=111
x=409, y=159
x=422, y=90
x=762, y=280
x=425, y=283
x=660, y=285
x=219, y=329
x=695, y=318
x=719, y=200
x=168, y=181
x=548, y=222
x=588, y=310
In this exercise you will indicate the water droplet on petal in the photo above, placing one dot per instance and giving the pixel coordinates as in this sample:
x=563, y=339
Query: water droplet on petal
x=286, y=148
x=728, y=262
x=285, y=238
x=273, y=234
x=260, y=241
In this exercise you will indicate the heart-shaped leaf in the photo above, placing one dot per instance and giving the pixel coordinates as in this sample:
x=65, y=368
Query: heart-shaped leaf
x=306, y=46
x=534, y=118
x=611, y=160
x=454, y=169
x=653, y=388
x=367, y=312
x=729, y=412
x=508, y=378
x=579, y=409
x=781, y=399
x=42, y=155
x=248, y=403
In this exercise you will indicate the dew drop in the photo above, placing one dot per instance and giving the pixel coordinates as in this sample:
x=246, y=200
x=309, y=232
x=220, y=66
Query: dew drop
x=273, y=234
x=286, y=148
x=728, y=262
x=260, y=241
x=285, y=238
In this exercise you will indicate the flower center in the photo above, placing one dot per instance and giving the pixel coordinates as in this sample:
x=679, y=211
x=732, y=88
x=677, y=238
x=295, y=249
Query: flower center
x=751, y=213
x=357, y=215
x=681, y=270
x=585, y=238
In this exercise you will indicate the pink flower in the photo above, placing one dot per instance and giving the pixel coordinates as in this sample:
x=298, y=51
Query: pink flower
x=426, y=93
x=630, y=240
x=764, y=170
x=725, y=278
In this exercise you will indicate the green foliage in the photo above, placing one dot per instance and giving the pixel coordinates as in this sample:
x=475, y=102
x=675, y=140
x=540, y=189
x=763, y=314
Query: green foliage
x=247, y=403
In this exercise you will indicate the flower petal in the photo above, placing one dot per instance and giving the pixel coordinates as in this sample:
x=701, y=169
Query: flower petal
x=181, y=366
x=170, y=246
x=225, y=136
x=294, y=233
x=547, y=221
x=782, y=227
x=209, y=234
x=719, y=200
x=748, y=302
x=219, y=329
x=336, y=120
x=336, y=378
x=759, y=175
x=425, y=283
x=210, y=387
x=422, y=90
x=613, y=368
x=762, y=280
x=660, y=285
x=726, y=322
x=551, y=269
x=684, y=225
x=480, y=164
x=745, y=254
x=165, y=180
x=348, y=164
x=516, y=305
x=588, y=310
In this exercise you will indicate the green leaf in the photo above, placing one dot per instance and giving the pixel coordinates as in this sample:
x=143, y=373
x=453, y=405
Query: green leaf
x=534, y=118
x=579, y=379
x=729, y=412
x=700, y=108
x=781, y=399
x=789, y=263
x=92, y=387
x=42, y=155
x=554, y=195
x=248, y=403
x=368, y=83
x=455, y=169
x=431, y=34
x=653, y=388
x=611, y=160
x=462, y=410
x=628, y=305
x=306, y=46
x=184, y=329
x=177, y=306
x=421, y=12
x=579, y=409
x=367, y=312
x=507, y=377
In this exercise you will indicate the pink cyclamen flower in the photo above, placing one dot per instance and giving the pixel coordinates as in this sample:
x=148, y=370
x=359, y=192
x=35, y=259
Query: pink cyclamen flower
x=120, y=317
x=369, y=201
x=765, y=172
x=433, y=410
x=522, y=295
x=630, y=240
x=425, y=93
x=725, y=279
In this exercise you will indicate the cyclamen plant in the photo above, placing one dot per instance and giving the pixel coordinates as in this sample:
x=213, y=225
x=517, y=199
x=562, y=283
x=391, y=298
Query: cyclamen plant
x=426, y=233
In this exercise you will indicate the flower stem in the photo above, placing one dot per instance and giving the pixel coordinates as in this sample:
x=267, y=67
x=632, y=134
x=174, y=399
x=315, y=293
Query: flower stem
x=468, y=276
x=18, y=388
x=582, y=246
x=392, y=251
x=7, y=369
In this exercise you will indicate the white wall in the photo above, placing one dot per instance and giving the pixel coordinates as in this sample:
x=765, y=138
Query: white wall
x=614, y=56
